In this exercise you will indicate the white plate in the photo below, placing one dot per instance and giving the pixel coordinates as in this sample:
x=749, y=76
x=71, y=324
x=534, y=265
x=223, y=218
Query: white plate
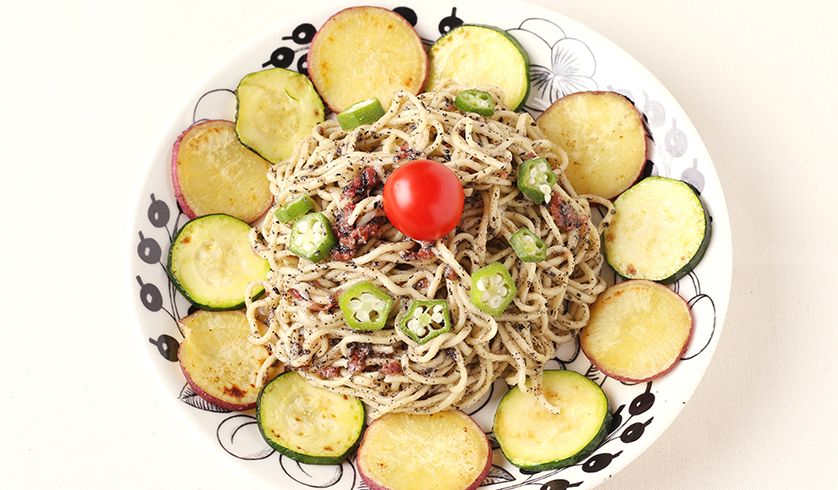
x=566, y=57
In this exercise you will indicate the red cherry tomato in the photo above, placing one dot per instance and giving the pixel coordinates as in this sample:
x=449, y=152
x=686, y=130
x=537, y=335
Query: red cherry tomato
x=423, y=199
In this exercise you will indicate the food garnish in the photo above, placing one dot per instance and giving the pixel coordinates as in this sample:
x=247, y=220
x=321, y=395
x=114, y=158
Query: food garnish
x=423, y=199
x=479, y=102
x=293, y=209
x=361, y=113
x=365, y=307
x=312, y=237
x=536, y=179
x=528, y=246
x=425, y=320
x=492, y=289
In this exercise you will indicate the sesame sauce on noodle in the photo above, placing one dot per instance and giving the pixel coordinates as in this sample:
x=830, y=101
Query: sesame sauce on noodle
x=298, y=316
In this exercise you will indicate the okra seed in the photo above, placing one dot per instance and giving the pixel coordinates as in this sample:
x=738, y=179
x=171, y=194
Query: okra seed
x=416, y=327
x=365, y=307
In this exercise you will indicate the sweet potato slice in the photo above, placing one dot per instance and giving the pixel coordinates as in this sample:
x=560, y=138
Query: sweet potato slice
x=638, y=330
x=604, y=137
x=440, y=451
x=213, y=172
x=219, y=363
x=364, y=52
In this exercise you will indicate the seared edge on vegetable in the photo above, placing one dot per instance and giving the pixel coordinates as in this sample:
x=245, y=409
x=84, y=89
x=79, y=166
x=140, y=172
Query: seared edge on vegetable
x=309, y=424
x=604, y=137
x=219, y=363
x=537, y=439
x=402, y=451
x=275, y=109
x=211, y=262
x=660, y=231
x=213, y=172
x=477, y=55
x=638, y=331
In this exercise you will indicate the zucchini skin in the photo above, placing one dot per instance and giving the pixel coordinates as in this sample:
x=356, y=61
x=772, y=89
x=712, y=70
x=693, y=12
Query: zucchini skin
x=582, y=454
x=506, y=440
x=524, y=55
x=184, y=290
x=300, y=456
x=690, y=264
x=702, y=248
x=520, y=48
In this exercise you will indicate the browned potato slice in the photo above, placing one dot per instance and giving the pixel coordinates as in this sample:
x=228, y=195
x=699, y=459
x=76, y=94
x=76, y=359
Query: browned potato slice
x=604, y=137
x=638, y=331
x=364, y=52
x=213, y=172
x=219, y=363
x=403, y=451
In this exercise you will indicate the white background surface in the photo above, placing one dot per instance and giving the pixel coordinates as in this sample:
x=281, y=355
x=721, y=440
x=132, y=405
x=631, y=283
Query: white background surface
x=87, y=86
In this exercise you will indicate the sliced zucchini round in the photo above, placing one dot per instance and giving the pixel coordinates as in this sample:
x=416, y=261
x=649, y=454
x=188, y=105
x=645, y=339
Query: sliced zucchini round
x=211, y=262
x=309, y=424
x=477, y=55
x=275, y=108
x=660, y=231
x=535, y=439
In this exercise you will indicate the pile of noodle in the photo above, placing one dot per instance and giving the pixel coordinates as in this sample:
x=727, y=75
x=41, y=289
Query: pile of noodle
x=299, y=320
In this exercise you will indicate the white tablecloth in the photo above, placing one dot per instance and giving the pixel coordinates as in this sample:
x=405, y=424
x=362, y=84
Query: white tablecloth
x=86, y=87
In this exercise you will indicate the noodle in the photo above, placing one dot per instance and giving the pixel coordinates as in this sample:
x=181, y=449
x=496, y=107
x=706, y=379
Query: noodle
x=298, y=317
